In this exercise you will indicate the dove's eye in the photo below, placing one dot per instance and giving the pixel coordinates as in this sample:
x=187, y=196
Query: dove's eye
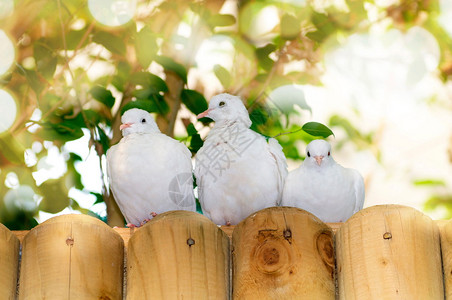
x=309, y=154
x=329, y=153
x=222, y=103
x=143, y=120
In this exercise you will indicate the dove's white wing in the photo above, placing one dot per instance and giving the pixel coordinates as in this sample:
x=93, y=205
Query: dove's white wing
x=150, y=173
x=359, y=189
x=280, y=160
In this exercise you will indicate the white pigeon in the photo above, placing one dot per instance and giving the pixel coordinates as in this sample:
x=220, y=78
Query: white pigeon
x=149, y=172
x=237, y=171
x=323, y=187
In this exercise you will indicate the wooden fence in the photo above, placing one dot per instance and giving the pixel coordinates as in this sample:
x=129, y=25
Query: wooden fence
x=382, y=252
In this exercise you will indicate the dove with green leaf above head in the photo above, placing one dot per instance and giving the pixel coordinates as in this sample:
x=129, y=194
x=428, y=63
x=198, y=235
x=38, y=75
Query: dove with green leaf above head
x=323, y=187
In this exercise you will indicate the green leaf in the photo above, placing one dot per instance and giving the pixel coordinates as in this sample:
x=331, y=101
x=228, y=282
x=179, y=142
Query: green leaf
x=155, y=104
x=191, y=130
x=55, y=195
x=325, y=27
x=99, y=197
x=11, y=149
x=144, y=93
x=72, y=174
x=46, y=60
x=90, y=116
x=290, y=27
x=122, y=76
x=221, y=20
x=103, y=139
x=67, y=130
x=195, y=143
x=262, y=55
x=111, y=42
x=258, y=117
x=429, y=182
x=317, y=129
x=170, y=65
x=194, y=101
x=145, y=46
x=33, y=81
x=149, y=80
x=102, y=95
x=74, y=37
x=223, y=75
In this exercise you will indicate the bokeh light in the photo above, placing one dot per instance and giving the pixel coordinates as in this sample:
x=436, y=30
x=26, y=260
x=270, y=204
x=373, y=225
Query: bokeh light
x=22, y=198
x=294, y=2
x=7, y=53
x=389, y=66
x=112, y=12
x=6, y=8
x=8, y=110
x=219, y=49
x=445, y=16
x=259, y=21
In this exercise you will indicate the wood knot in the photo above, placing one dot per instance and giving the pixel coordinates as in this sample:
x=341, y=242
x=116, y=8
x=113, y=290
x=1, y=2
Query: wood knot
x=273, y=256
x=287, y=234
x=387, y=236
x=190, y=242
x=70, y=241
x=270, y=256
x=326, y=250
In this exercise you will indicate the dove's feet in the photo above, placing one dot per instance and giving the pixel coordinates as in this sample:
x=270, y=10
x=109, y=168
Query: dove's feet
x=153, y=214
x=228, y=223
x=130, y=225
x=144, y=222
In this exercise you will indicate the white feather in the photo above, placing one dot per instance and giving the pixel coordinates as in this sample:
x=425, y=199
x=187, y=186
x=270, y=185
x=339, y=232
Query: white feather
x=149, y=171
x=329, y=191
x=237, y=171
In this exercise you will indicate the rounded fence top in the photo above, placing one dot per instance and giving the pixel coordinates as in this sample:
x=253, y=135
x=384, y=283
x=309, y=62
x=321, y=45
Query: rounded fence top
x=4, y=231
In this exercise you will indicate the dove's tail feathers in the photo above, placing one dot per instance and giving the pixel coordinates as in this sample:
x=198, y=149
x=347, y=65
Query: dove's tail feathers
x=281, y=163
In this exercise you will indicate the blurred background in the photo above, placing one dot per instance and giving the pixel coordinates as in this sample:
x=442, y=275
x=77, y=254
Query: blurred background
x=376, y=72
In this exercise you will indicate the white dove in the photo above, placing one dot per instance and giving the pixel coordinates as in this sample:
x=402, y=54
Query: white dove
x=236, y=170
x=323, y=187
x=149, y=172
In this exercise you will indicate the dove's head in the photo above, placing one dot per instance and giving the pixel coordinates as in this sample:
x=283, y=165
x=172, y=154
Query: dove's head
x=137, y=120
x=318, y=153
x=227, y=109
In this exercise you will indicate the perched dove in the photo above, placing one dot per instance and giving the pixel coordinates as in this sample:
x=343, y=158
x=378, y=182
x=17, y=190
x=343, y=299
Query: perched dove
x=149, y=172
x=236, y=170
x=323, y=187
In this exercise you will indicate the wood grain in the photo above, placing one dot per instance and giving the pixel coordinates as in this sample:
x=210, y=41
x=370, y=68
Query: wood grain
x=72, y=257
x=9, y=263
x=178, y=255
x=446, y=249
x=389, y=252
x=283, y=253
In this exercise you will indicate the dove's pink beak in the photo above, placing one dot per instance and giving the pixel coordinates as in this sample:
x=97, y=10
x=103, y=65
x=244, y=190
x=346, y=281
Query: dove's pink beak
x=318, y=159
x=124, y=126
x=204, y=114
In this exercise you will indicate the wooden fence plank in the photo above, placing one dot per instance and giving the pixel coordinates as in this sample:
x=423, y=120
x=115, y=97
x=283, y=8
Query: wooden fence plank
x=389, y=252
x=283, y=253
x=178, y=255
x=72, y=257
x=9, y=262
x=446, y=249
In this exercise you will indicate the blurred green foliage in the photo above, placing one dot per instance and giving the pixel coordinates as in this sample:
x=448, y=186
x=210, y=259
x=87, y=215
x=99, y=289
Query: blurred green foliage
x=59, y=43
